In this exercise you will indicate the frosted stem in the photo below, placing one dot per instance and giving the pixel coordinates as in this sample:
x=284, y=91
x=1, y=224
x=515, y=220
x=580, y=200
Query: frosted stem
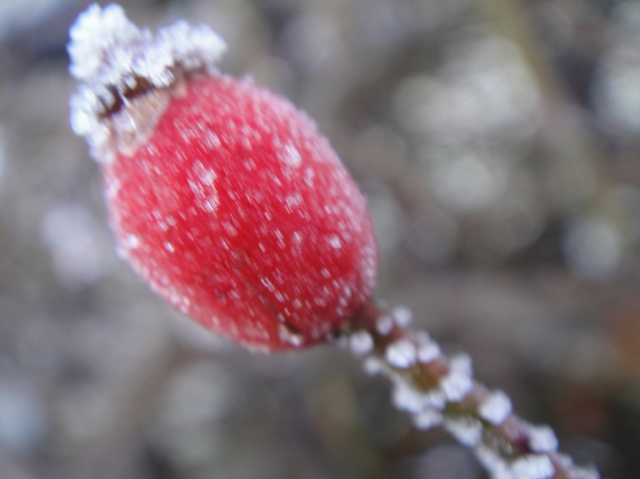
x=440, y=391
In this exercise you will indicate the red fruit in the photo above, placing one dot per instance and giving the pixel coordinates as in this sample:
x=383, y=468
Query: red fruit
x=226, y=199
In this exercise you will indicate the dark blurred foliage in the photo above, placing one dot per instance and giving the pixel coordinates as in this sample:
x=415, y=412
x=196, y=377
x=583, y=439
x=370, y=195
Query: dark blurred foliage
x=499, y=145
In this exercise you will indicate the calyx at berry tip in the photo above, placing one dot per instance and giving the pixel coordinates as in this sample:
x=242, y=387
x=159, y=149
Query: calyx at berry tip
x=127, y=75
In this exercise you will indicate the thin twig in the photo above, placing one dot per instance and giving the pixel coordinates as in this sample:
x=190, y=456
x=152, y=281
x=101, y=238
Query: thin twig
x=440, y=391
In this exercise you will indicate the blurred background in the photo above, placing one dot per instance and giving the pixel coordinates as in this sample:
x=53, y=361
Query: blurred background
x=498, y=142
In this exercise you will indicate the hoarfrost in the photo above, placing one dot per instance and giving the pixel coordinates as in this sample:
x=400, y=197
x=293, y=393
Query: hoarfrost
x=427, y=419
x=456, y=386
x=468, y=431
x=533, y=467
x=117, y=63
x=291, y=156
x=201, y=183
x=428, y=351
x=401, y=353
x=402, y=316
x=293, y=200
x=495, y=408
x=542, y=439
x=384, y=325
x=334, y=241
x=461, y=364
x=406, y=398
x=493, y=463
x=361, y=343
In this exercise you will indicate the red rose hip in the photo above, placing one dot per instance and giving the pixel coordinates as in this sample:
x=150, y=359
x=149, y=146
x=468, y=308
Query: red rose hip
x=222, y=196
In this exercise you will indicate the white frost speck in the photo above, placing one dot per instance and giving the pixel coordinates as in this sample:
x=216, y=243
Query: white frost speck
x=467, y=431
x=533, y=467
x=493, y=463
x=542, y=439
x=401, y=353
x=384, y=325
x=130, y=242
x=169, y=247
x=427, y=419
x=291, y=156
x=461, y=364
x=361, y=343
x=456, y=386
x=292, y=200
x=335, y=242
x=402, y=316
x=428, y=350
x=495, y=408
x=406, y=398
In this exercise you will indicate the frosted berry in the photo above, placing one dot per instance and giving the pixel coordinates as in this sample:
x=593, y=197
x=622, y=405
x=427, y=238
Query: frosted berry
x=221, y=195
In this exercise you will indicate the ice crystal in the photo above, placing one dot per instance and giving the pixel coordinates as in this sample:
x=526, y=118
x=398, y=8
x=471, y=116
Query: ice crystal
x=468, y=431
x=384, y=325
x=461, y=364
x=401, y=354
x=402, y=316
x=428, y=350
x=428, y=418
x=497, y=467
x=406, y=398
x=456, y=386
x=495, y=408
x=361, y=343
x=542, y=439
x=533, y=467
x=116, y=63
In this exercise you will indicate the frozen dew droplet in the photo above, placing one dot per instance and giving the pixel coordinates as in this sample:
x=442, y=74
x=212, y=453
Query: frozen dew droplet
x=427, y=419
x=533, y=467
x=495, y=408
x=406, y=398
x=335, y=242
x=384, y=325
x=542, y=439
x=291, y=156
x=436, y=399
x=428, y=351
x=402, y=316
x=461, y=364
x=401, y=353
x=468, y=431
x=361, y=343
x=493, y=463
x=456, y=386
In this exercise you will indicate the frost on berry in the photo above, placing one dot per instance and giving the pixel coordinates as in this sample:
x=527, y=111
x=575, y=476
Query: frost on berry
x=126, y=75
x=222, y=196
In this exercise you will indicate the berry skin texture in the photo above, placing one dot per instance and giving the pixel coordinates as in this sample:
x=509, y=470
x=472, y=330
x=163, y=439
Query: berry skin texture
x=239, y=214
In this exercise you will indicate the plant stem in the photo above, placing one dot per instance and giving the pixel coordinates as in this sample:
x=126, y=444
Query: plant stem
x=437, y=390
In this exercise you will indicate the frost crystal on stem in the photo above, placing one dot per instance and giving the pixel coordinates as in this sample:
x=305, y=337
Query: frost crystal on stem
x=437, y=391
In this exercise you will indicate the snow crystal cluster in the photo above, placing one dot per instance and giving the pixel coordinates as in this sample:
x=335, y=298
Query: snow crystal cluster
x=115, y=62
x=400, y=359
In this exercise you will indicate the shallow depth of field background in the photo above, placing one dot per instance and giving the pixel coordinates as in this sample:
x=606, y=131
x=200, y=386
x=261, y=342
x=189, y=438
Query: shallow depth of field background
x=498, y=142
